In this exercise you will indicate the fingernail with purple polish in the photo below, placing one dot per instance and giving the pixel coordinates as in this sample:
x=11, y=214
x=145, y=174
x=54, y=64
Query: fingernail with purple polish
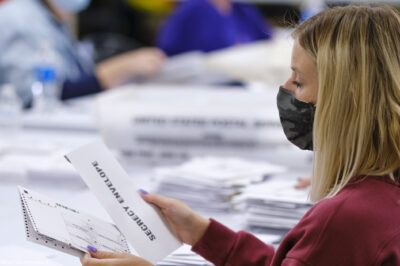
x=143, y=191
x=93, y=249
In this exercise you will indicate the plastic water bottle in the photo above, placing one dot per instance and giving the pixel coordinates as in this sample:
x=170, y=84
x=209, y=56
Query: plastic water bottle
x=10, y=113
x=310, y=8
x=45, y=87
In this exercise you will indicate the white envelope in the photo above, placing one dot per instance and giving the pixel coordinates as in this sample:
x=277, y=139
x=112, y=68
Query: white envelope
x=140, y=222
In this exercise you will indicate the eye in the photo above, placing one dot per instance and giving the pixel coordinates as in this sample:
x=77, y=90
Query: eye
x=297, y=84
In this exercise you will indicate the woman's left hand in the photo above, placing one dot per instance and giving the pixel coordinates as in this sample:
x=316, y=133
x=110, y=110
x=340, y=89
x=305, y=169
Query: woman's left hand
x=303, y=182
x=102, y=258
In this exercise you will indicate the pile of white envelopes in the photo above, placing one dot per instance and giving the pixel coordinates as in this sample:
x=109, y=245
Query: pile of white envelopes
x=275, y=204
x=184, y=255
x=210, y=183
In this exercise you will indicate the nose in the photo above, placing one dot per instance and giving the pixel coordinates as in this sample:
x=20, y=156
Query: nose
x=289, y=85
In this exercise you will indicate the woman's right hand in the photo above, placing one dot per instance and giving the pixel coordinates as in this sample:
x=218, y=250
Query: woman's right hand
x=188, y=226
x=118, y=69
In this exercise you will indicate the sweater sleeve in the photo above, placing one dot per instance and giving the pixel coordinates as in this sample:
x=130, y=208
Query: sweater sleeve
x=222, y=246
x=84, y=85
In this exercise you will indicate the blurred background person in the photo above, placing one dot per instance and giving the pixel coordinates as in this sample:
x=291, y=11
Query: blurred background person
x=208, y=25
x=36, y=34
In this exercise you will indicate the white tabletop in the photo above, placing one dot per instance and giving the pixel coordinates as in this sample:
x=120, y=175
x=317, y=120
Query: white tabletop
x=40, y=137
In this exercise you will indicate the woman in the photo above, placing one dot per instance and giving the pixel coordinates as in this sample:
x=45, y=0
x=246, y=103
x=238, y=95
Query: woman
x=208, y=25
x=342, y=100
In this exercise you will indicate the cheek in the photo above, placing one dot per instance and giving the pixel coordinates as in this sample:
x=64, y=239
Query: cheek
x=313, y=94
x=304, y=94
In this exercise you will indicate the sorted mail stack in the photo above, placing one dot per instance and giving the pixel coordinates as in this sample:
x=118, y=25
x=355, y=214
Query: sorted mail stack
x=174, y=123
x=39, y=161
x=184, y=256
x=187, y=68
x=210, y=183
x=275, y=204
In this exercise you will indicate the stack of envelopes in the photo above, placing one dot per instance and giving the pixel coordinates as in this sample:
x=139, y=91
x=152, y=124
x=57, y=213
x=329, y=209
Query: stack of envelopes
x=185, y=256
x=210, y=183
x=275, y=204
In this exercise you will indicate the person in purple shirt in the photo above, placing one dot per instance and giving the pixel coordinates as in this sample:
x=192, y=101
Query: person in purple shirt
x=208, y=25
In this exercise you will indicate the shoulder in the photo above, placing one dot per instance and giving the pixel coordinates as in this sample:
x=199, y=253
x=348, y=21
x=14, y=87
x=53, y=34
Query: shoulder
x=22, y=18
x=360, y=199
x=364, y=212
x=20, y=12
x=359, y=206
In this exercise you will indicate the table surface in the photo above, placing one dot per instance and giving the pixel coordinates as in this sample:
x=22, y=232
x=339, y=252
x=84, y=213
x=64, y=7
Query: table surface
x=77, y=196
x=75, y=193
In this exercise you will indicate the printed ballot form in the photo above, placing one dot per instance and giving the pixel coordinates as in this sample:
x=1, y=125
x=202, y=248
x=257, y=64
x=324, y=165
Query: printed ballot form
x=55, y=225
x=140, y=222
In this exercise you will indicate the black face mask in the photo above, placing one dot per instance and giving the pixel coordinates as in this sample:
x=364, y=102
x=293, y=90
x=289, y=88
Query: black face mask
x=297, y=119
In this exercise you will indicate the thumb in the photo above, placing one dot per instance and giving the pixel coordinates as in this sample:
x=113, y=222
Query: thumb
x=158, y=200
x=103, y=254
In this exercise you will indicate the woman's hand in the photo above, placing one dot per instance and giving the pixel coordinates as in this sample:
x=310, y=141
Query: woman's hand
x=303, y=182
x=102, y=258
x=145, y=61
x=118, y=69
x=188, y=226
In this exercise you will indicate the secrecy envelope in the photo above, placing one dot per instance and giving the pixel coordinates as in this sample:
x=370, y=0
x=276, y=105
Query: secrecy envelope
x=140, y=222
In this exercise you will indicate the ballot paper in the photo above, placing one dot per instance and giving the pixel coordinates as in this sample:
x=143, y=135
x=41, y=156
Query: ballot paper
x=54, y=224
x=275, y=204
x=141, y=223
x=211, y=179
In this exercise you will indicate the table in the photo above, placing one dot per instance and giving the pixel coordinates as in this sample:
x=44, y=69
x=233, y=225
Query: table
x=74, y=192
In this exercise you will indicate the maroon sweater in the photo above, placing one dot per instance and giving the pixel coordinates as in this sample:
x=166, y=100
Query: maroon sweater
x=359, y=226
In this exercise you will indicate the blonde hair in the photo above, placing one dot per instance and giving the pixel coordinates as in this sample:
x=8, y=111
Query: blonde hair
x=357, y=122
